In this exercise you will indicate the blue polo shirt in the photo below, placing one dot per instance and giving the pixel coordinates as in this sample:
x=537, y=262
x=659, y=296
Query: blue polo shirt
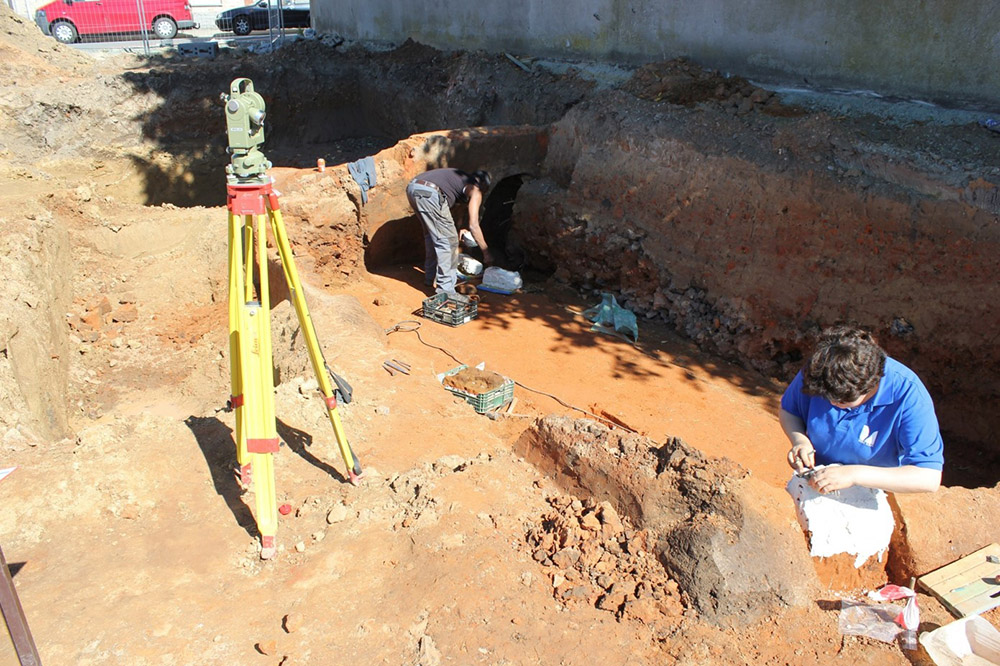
x=896, y=427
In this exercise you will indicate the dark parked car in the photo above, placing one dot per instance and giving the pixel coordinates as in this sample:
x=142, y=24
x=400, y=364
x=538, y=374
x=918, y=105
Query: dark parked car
x=260, y=16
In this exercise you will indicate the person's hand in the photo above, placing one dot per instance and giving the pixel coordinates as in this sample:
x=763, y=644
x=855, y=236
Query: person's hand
x=802, y=457
x=834, y=477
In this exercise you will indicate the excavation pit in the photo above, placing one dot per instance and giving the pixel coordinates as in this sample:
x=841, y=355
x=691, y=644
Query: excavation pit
x=733, y=231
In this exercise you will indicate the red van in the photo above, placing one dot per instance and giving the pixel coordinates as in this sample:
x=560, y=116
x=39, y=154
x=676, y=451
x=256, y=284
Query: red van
x=66, y=20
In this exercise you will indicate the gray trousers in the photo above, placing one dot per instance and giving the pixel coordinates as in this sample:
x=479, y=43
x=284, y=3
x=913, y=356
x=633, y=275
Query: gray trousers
x=440, y=236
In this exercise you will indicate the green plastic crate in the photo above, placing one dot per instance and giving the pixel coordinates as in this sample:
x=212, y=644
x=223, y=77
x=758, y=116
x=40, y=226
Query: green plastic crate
x=484, y=402
x=450, y=309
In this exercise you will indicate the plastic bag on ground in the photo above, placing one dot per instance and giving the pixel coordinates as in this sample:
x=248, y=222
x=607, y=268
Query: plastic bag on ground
x=501, y=280
x=878, y=622
x=909, y=618
x=609, y=317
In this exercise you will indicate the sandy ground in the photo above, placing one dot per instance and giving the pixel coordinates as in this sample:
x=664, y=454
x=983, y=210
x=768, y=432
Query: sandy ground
x=135, y=545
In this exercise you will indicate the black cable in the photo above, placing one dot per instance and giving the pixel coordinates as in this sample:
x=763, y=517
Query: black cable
x=416, y=329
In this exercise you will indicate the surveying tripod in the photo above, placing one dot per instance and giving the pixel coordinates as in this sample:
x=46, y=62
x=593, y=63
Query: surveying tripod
x=250, y=200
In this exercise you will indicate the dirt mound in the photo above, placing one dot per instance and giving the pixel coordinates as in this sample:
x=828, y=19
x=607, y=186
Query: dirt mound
x=596, y=558
x=708, y=518
x=680, y=81
x=28, y=55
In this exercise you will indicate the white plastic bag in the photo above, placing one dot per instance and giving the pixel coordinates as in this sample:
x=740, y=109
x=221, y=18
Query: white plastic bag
x=497, y=278
x=909, y=618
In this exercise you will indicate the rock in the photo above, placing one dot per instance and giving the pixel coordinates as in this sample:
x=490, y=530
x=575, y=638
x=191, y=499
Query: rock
x=569, y=536
x=428, y=654
x=83, y=193
x=382, y=410
x=450, y=463
x=577, y=592
x=589, y=521
x=125, y=314
x=644, y=610
x=566, y=558
x=612, y=600
x=300, y=547
x=267, y=647
x=337, y=514
x=319, y=536
x=636, y=543
x=610, y=520
x=92, y=319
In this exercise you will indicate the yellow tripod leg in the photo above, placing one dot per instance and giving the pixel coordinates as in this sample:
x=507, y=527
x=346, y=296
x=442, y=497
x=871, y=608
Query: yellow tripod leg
x=320, y=367
x=258, y=436
x=262, y=435
x=236, y=299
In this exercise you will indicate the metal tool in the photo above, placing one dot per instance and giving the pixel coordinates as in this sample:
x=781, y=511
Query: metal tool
x=13, y=613
x=394, y=365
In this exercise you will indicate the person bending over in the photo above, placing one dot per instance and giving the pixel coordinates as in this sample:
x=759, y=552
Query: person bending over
x=868, y=415
x=431, y=195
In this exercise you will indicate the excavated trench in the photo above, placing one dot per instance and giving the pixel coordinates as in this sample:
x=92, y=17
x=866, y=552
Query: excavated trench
x=701, y=202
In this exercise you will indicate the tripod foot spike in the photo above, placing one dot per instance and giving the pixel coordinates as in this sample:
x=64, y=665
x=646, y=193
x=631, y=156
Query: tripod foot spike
x=267, y=548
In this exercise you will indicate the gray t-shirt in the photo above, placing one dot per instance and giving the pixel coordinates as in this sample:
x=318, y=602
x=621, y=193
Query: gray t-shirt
x=451, y=182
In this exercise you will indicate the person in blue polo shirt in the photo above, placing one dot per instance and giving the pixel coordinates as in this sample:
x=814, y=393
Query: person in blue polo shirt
x=866, y=417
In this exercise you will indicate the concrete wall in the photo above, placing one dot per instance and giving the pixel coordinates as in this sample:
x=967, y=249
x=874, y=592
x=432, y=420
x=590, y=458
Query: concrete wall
x=947, y=52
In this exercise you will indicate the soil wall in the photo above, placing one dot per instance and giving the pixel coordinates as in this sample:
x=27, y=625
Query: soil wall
x=34, y=349
x=935, y=53
x=751, y=233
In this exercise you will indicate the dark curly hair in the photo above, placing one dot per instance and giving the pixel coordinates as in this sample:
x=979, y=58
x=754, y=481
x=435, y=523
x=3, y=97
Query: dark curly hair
x=481, y=179
x=846, y=365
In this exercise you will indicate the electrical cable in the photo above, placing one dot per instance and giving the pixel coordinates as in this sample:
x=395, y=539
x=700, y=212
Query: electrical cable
x=415, y=328
x=411, y=326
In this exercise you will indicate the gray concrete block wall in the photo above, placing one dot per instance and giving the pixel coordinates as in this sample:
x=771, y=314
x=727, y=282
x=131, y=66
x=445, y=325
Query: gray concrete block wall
x=945, y=52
